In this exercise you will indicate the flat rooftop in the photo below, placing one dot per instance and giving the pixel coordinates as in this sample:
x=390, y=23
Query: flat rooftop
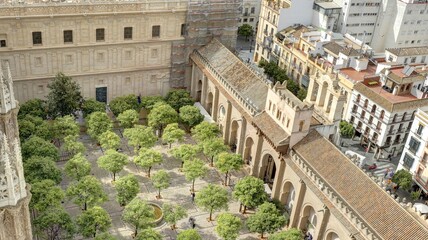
x=358, y=76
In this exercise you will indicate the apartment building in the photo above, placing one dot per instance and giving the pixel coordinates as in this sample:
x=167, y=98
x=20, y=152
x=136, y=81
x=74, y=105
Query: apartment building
x=382, y=109
x=415, y=153
x=110, y=48
x=411, y=55
x=250, y=13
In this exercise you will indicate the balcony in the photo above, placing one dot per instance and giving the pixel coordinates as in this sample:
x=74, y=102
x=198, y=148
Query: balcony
x=421, y=182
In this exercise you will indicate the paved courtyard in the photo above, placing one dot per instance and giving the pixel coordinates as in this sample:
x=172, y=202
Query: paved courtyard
x=178, y=192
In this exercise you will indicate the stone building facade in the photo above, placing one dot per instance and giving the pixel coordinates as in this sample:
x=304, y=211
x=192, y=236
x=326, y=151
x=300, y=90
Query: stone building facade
x=14, y=194
x=283, y=144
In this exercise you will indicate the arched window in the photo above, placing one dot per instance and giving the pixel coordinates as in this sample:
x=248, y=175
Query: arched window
x=374, y=108
x=382, y=114
x=395, y=118
x=366, y=103
x=358, y=98
x=404, y=117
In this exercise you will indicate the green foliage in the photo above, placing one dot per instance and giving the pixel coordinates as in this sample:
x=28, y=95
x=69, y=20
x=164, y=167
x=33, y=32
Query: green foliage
x=346, y=129
x=293, y=87
x=140, y=137
x=194, y=169
x=204, y=131
x=93, y=221
x=246, y=30
x=45, y=195
x=403, y=179
x=77, y=167
x=65, y=126
x=273, y=71
x=290, y=234
x=39, y=168
x=190, y=116
x=184, y=152
x=172, y=133
x=301, y=94
x=104, y=236
x=161, y=115
x=173, y=213
x=34, y=126
x=109, y=140
x=35, y=107
x=148, y=102
x=226, y=162
x=64, y=97
x=55, y=223
x=250, y=191
x=179, y=98
x=91, y=105
x=87, y=192
x=149, y=234
x=128, y=118
x=36, y=146
x=127, y=188
x=112, y=161
x=228, y=226
x=147, y=158
x=213, y=147
x=123, y=103
x=415, y=195
x=189, y=234
x=211, y=198
x=161, y=180
x=98, y=123
x=26, y=129
x=139, y=214
x=266, y=219
x=72, y=146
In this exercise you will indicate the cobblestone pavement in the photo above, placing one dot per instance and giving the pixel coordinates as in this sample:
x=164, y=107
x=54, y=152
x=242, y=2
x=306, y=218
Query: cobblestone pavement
x=178, y=192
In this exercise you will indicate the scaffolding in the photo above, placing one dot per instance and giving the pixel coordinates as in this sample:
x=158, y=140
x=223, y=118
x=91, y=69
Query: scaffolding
x=206, y=19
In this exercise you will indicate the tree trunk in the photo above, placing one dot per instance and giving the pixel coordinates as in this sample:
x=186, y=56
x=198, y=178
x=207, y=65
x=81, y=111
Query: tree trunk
x=240, y=207
x=245, y=209
x=182, y=164
x=212, y=161
x=135, y=232
x=225, y=178
x=114, y=176
x=193, y=185
x=85, y=207
x=148, y=172
x=159, y=196
x=211, y=214
x=261, y=235
x=170, y=145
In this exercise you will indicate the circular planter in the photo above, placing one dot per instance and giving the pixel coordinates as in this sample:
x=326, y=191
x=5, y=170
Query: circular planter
x=158, y=212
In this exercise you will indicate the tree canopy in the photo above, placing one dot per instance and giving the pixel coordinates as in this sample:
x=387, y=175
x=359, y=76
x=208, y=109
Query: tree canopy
x=128, y=118
x=161, y=115
x=189, y=234
x=109, y=140
x=190, y=116
x=98, y=123
x=246, y=30
x=140, y=137
x=54, y=223
x=77, y=167
x=35, y=107
x=266, y=219
x=112, y=161
x=290, y=234
x=250, y=191
x=64, y=96
x=123, y=103
x=403, y=179
x=179, y=98
x=65, y=126
x=213, y=147
x=148, y=102
x=226, y=162
x=172, y=133
x=45, y=194
x=346, y=129
x=149, y=234
x=72, y=146
x=36, y=146
x=91, y=105
x=87, y=192
x=161, y=181
x=204, y=131
x=34, y=126
x=184, y=152
x=173, y=213
x=127, y=188
x=211, y=198
x=104, y=236
x=194, y=169
x=39, y=168
x=147, y=158
x=93, y=221
x=139, y=214
x=228, y=226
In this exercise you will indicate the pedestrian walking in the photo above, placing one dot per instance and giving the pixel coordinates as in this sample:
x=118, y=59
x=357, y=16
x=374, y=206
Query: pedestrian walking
x=192, y=222
x=193, y=196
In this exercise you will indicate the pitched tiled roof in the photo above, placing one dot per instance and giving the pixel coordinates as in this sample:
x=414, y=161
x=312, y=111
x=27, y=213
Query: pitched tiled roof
x=271, y=129
x=236, y=73
x=379, y=211
x=411, y=51
x=333, y=47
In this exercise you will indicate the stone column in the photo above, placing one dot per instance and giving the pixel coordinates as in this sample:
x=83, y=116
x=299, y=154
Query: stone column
x=204, y=91
x=227, y=122
x=215, y=104
x=241, y=142
x=319, y=100
x=193, y=83
x=256, y=160
x=277, y=184
x=310, y=90
x=320, y=231
x=295, y=213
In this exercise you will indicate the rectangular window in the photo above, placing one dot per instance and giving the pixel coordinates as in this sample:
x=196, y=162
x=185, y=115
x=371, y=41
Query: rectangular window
x=414, y=145
x=155, y=31
x=408, y=161
x=253, y=10
x=2, y=43
x=37, y=38
x=100, y=34
x=68, y=36
x=183, y=30
x=420, y=128
x=127, y=33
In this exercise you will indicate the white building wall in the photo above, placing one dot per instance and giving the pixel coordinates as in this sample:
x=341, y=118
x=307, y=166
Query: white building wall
x=300, y=12
x=250, y=13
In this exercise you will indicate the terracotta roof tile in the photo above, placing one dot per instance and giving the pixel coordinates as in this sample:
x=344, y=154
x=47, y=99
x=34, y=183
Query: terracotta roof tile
x=379, y=211
x=271, y=129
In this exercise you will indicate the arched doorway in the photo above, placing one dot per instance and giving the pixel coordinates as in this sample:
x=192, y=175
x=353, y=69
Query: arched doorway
x=332, y=236
x=323, y=93
x=314, y=92
x=268, y=169
x=308, y=221
x=233, y=140
x=287, y=196
x=248, y=151
x=210, y=103
x=199, y=91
